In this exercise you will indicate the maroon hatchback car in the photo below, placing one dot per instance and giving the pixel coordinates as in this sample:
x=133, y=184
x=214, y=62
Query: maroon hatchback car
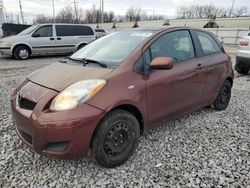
x=106, y=94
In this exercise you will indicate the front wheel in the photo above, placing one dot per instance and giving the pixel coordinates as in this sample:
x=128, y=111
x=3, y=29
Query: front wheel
x=223, y=97
x=21, y=53
x=115, y=138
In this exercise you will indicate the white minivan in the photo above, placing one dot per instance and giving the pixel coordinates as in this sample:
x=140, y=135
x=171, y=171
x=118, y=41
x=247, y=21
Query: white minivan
x=46, y=39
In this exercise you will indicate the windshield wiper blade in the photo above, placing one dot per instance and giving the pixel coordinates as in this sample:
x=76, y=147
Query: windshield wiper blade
x=96, y=62
x=86, y=61
x=78, y=60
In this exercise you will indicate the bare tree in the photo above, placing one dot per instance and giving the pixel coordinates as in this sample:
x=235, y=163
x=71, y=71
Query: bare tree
x=207, y=11
x=41, y=18
x=242, y=11
x=134, y=14
x=67, y=15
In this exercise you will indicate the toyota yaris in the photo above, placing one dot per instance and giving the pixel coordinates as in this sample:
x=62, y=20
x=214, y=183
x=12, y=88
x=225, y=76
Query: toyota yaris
x=105, y=95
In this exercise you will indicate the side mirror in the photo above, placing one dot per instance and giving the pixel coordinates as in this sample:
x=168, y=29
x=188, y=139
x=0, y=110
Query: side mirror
x=36, y=35
x=163, y=63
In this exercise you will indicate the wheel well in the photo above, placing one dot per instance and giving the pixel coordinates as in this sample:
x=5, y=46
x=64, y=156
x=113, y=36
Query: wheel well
x=21, y=45
x=133, y=110
x=230, y=80
x=81, y=45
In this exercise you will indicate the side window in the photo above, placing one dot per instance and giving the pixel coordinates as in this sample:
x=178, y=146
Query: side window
x=45, y=31
x=72, y=30
x=177, y=45
x=208, y=44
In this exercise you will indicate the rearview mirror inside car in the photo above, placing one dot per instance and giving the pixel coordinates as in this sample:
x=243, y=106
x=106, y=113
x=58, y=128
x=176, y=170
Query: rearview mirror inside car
x=164, y=63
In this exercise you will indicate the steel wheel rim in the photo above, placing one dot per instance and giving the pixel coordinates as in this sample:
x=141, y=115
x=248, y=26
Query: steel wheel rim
x=116, y=141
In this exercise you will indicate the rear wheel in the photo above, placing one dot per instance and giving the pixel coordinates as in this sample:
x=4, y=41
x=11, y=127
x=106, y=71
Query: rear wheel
x=241, y=69
x=21, y=53
x=223, y=97
x=116, y=138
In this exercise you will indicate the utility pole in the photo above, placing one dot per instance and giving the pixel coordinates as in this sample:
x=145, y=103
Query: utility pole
x=6, y=15
x=53, y=5
x=21, y=11
x=102, y=11
x=76, y=11
x=232, y=8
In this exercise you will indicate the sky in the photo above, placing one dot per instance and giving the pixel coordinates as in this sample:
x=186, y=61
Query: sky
x=31, y=8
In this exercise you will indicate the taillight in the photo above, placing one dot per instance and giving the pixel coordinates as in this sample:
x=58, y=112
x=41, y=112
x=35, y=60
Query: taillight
x=244, y=42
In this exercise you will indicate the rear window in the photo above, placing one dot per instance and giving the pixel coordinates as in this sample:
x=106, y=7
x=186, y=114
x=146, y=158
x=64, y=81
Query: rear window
x=73, y=30
x=208, y=44
x=248, y=34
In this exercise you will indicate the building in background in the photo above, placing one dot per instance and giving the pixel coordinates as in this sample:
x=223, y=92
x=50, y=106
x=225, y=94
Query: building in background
x=2, y=18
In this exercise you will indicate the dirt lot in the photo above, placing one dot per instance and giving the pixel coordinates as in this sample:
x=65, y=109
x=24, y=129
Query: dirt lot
x=204, y=149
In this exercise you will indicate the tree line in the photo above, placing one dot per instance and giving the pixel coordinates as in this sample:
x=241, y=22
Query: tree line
x=93, y=15
x=209, y=11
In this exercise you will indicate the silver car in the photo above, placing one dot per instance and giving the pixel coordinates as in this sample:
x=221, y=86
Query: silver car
x=242, y=65
x=45, y=39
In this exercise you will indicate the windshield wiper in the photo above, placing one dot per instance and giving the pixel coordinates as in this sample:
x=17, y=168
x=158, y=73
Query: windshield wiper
x=96, y=62
x=86, y=61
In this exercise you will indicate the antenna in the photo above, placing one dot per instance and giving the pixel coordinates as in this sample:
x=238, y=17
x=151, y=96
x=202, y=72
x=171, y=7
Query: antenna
x=21, y=11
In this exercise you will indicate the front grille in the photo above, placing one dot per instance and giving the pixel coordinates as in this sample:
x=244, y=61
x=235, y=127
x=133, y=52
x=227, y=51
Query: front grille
x=26, y=136
x=26, y=103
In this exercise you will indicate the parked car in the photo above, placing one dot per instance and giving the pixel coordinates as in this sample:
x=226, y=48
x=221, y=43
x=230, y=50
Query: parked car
x=44, y=39
x=107, y=94
x=100, y=33
x=242, y=65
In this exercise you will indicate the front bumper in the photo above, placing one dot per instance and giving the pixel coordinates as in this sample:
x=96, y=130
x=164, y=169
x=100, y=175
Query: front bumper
x=62, y=135
x=6, y=51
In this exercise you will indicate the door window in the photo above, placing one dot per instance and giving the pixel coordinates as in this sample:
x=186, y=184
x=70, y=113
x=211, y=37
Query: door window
x=208, y=44
x=177, y=45
x=45, y=31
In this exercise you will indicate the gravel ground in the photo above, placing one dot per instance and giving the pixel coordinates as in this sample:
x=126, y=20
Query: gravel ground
x=204, y=149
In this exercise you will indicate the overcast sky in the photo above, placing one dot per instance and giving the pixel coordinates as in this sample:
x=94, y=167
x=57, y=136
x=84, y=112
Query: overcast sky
x=164, y=7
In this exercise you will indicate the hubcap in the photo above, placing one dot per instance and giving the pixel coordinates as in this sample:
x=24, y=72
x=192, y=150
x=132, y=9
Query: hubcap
x=23, y=54
x=116, y=140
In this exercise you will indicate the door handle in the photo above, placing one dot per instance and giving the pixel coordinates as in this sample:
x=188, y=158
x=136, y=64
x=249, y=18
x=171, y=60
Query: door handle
x=59, y=38
x=200, y=66
x=51, y=39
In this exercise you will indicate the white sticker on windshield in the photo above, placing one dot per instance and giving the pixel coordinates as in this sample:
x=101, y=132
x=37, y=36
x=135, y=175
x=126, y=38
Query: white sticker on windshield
x=138, y=34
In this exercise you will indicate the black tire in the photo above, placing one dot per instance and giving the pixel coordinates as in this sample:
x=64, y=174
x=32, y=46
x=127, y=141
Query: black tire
x=223, y=97
x=241, y=69
x=21, y=53
x=115, y=138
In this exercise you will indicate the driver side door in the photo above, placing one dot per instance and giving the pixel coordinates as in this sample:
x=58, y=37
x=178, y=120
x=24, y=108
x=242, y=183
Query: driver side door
x=43, y=40
x=178, y=90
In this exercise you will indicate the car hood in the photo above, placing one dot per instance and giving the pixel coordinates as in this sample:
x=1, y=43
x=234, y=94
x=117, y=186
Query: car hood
x=58, y=76
x=13, y=38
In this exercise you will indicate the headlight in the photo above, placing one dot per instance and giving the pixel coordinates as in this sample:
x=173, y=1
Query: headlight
x=5, y=44
x=76, y=94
